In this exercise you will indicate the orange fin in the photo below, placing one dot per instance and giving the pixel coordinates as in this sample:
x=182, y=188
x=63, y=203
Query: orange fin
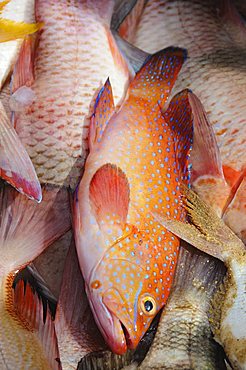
x=23, y=74
x=27, y=228
x=205, y=154
x=11, y=30
x=207, y=176
x=74, y=323
x=231, y=175
x=35, y=306
x=235, y=213
x=109, y=194
x=15, y=165
x=157, y=76
x=180, y=120
x=103, y=110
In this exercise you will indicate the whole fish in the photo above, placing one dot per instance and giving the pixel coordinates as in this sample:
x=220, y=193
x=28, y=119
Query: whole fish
x=184, y=339
x=215, y=37
x=137, y=160
x=76, y=53
x=207, y=232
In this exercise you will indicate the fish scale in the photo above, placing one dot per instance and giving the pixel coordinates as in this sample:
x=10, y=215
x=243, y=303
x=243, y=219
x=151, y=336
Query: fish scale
x=138, y=159
x=69, y=69
x=215, y=69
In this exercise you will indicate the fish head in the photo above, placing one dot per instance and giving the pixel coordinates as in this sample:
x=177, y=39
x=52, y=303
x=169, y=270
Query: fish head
x=121, y=295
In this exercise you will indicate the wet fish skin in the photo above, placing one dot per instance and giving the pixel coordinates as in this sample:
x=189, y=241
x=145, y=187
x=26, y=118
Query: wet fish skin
x=208, y=233
x=184, y=339
x=70, y=67
x=215, y=70
x=117, y=227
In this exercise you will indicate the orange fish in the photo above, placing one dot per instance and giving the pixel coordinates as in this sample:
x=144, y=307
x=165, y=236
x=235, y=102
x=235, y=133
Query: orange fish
x=138, y=158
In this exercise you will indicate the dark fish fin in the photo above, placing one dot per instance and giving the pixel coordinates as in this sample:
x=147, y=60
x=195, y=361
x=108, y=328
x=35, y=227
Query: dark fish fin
x=155, y=79
x=206, y=231
x=76, y=330
x=30, y=276
x=197, y=272
x=207, y=175
x=23, y=74
x=15, y=165
x=179, y=118
x=103, y=110
x=234, y=215
x=27, y=228
x=110, y=194
x=135, y=57
x=126, y=16
x=35, y=307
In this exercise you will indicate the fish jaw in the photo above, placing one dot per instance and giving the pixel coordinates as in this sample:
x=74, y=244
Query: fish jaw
x=108, y=323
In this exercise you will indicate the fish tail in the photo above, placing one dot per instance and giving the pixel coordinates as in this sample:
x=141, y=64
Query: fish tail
x=28, y=228
x=155, y=79
x=30, y=308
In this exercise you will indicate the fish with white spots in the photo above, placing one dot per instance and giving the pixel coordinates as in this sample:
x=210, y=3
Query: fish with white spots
x=138, y=159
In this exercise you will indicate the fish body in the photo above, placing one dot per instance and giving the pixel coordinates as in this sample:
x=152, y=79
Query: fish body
x=209, y=233
x=75, y=55
x=135, y=165
x=215, y=70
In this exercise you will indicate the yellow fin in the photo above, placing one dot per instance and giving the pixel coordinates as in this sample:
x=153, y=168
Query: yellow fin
x=2, y=5
x=11, y=30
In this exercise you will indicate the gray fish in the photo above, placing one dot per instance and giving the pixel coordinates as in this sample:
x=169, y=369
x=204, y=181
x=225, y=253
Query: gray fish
x=207, y=232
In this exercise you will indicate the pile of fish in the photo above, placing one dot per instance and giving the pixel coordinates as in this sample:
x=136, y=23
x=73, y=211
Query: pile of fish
x=123, y=179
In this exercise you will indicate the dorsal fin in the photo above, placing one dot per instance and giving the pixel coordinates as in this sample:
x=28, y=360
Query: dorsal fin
x=103, y=110
x=35, y=306
x=15, y=165
x=157, y=76
x=110, y=194
x=180, y=120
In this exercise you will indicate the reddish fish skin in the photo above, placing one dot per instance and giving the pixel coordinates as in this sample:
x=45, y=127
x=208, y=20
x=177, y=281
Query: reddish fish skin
x=134, y=168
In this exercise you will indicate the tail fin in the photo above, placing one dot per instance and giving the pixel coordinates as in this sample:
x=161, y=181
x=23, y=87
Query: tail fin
x=27, y=228
x=157, y=76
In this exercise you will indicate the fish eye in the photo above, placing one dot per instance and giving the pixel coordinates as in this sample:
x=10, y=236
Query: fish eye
x=148, y=305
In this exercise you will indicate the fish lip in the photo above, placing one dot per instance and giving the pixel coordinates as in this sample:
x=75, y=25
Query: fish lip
x=112, y=331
